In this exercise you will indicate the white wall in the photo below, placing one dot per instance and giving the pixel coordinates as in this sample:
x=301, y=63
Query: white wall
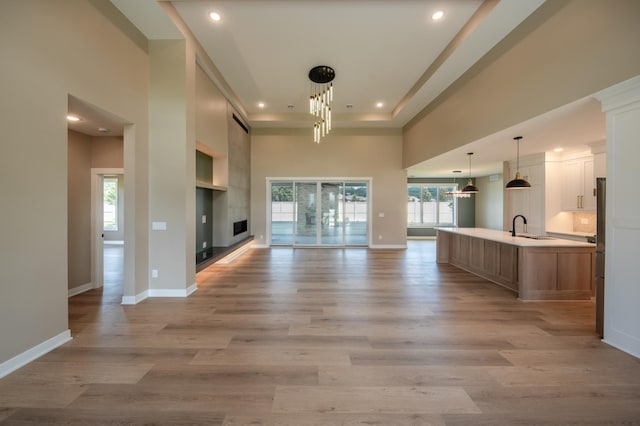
x=622, y=286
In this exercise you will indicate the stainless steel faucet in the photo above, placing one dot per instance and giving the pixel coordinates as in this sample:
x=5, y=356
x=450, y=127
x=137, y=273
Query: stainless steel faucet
x=513, y=224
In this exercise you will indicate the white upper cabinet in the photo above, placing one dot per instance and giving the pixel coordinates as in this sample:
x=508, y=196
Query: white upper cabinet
x=578, y=185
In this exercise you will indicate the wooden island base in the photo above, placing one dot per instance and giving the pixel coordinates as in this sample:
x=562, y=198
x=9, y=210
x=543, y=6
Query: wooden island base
x=535, y=269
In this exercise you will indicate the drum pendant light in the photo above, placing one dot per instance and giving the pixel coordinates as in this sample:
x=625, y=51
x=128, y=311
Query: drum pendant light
x=470, y=188
x=518, y=182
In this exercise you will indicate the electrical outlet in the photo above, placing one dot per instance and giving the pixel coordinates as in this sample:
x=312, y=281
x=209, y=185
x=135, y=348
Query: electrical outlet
x=154, y=273
x=204, y=218
x=379, y=237
x=204, y=244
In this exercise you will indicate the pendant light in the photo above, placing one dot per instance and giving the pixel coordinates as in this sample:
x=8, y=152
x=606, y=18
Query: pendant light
x=457, y=193
x=470, y=188
x=320, y=100
x=518, y=182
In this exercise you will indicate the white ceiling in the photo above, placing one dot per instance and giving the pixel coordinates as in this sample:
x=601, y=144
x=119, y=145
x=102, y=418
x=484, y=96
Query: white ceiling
x=382, y=51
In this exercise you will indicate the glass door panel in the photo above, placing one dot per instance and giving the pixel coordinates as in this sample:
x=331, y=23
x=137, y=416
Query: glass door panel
x=282, y=213
x=356, y=213
x=316, y=213
x=305, y=206
x=331, y=229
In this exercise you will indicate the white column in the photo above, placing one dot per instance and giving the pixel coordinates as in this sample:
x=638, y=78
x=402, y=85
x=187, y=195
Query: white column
x=622, y=283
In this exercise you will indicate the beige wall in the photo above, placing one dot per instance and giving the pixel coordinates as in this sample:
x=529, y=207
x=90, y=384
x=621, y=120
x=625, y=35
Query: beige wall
x=489, y=202
x=172, y=164
x=107, y=152
x=79, y=209
x=358, y=153
x=46, y=56
x=564, y=51
x=211, y=116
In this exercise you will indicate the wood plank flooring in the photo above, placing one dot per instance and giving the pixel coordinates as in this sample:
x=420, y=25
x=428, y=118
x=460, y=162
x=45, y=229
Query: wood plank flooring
x=307, y=337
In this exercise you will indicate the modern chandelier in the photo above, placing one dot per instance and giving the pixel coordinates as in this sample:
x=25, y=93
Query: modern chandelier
x=457, y=193
x=320, y=99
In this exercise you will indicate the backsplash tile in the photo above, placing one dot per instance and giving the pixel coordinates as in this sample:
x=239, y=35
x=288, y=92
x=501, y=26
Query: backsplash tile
x=584, y=222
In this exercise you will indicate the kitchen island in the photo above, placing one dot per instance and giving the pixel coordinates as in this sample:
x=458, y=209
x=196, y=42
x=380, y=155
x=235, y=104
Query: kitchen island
x=536, y=269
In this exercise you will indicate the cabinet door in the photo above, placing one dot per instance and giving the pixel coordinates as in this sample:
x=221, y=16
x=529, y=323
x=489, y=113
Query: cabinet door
x=572, y=185
x=575, y=269
x=508, y=264
x=589, y=184
x=476, y=257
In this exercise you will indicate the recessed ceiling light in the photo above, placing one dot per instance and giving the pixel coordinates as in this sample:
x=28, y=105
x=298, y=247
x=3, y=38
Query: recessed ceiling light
x=215, y=16
x=379, y=104
x=558, y=149
x=437, y=15
x=72, y=118
x=260, y=104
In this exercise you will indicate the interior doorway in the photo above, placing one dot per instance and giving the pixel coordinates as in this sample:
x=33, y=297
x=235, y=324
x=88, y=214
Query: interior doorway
x=107, y=234
x=96, y=208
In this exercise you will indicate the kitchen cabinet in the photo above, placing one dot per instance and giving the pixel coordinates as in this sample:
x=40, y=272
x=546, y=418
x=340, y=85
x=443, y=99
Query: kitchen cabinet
x=535, y=269
x=578, y=185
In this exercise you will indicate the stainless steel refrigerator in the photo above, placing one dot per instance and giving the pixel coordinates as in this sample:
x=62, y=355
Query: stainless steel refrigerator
x=600, y=252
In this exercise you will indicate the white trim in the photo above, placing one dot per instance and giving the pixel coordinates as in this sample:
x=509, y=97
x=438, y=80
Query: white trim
x=80, y=289
x=134, y=300
x=173, y=292
x=388, y=246
x=630, y=345
x=35, y=352
x=236, y=253
x=259, y=246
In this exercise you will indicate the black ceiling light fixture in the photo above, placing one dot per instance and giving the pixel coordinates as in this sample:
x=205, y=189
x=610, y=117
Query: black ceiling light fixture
x=518, y=182
x=470, y=188
x=320, y=99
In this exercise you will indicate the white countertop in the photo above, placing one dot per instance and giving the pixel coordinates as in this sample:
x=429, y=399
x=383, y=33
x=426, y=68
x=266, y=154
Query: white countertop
x=505, y=237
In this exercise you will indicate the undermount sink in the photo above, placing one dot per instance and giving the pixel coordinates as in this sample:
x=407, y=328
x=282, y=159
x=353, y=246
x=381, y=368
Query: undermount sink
x=534, y=237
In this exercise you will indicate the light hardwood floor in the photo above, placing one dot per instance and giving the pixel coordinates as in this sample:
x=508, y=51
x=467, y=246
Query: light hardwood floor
x=328, y=337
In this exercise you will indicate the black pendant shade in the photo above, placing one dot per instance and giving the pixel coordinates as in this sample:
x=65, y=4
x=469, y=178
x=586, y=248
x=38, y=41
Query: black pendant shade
x=518, y=182
x=470, y=188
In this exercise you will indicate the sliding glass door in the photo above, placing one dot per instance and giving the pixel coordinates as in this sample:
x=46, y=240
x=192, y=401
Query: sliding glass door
x=319, y=213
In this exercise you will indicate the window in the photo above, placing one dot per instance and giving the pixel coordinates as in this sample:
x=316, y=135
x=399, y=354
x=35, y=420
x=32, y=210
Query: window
x=431, y=204
x=110, y=204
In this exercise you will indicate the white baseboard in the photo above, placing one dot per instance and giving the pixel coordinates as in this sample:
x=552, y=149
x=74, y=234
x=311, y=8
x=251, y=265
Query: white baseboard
x=80, y=289
x=36, y=352
x=177, y=292
x=260, y=246
x=388, y=246
x=134, y=300
x=158, y=292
